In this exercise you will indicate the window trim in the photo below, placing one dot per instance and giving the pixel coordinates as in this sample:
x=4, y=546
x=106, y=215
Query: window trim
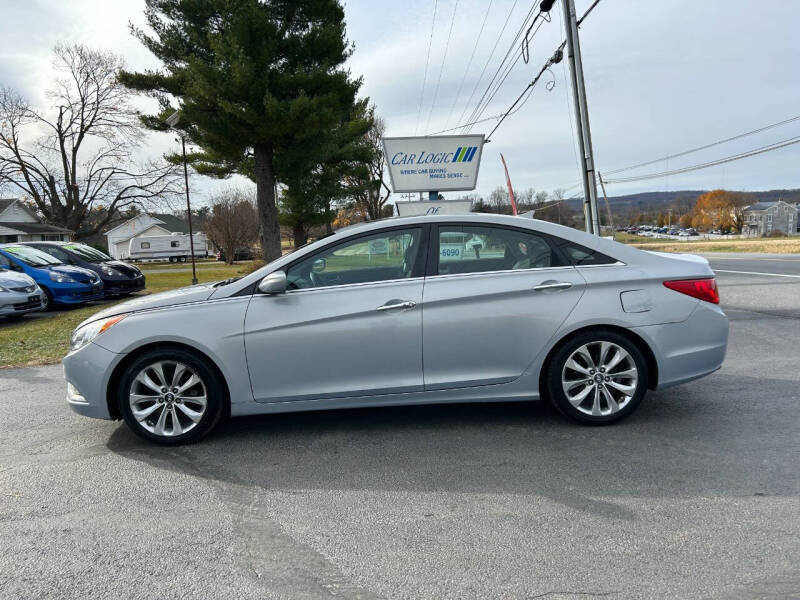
x=419, y=263
x=433, y=248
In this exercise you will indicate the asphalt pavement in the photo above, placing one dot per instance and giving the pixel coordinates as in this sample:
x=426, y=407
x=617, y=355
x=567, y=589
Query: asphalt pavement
x=697, y=495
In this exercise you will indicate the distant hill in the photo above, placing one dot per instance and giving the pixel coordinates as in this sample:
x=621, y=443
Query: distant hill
x=655, y=202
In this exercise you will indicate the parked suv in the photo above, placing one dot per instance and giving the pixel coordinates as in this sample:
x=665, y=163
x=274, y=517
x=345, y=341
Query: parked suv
x=119, y=278
x=61, y=283
x=19, y=294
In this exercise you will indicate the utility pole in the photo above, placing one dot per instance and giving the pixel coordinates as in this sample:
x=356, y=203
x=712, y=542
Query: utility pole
x=608, y=207
x=582, y=117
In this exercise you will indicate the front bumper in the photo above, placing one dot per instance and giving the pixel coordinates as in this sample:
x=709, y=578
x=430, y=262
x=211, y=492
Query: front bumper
x=77, y=294
x=87, y=372
x=115, y=287
x=691, y=349
x=21, y=303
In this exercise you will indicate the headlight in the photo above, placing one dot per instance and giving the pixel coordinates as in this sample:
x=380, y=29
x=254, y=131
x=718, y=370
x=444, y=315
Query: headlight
x=87, y=333
x=2, y=289
x=111, y=272
x=61, y=278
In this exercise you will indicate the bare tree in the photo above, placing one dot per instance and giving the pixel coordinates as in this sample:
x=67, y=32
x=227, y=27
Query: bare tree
x=499, y=197
x=78, y=171
x=233, y=222
x=367, y=180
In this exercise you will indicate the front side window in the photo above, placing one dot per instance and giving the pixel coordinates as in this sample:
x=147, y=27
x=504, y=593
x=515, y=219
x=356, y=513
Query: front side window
x=145, y=245
x=174, y=244
x=379, y=257
x=478, y=249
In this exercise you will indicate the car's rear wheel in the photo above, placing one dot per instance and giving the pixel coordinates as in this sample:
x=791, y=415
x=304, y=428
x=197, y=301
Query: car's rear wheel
x=597, y=377
x=171, y=396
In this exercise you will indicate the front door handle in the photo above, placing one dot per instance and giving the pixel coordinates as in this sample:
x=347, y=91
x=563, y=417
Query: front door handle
x=400, y=304
x=555, y=285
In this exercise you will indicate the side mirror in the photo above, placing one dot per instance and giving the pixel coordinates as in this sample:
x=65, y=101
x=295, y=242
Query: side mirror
x=274, y=283
x=318, y=266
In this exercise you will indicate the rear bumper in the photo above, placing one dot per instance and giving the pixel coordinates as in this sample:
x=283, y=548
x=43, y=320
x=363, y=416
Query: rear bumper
x=87, y=373
x=691, y=349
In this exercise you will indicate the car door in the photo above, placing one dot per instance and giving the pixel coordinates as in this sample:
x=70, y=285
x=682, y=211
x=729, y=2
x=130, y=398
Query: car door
x=494, y=296
x=350, y=323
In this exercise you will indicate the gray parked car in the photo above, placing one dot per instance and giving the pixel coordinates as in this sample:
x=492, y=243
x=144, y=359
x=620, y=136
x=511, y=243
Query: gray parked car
x=19, y=294
x=380, y=314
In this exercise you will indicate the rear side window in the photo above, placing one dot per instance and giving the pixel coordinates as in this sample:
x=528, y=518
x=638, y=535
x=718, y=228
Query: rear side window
x=481, y=249
x=581, y=256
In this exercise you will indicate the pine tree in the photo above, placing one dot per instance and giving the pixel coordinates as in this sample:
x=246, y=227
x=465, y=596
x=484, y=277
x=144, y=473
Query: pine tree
x=258, y=84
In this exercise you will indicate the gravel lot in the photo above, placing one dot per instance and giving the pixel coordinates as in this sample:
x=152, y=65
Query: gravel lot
x=695, y=496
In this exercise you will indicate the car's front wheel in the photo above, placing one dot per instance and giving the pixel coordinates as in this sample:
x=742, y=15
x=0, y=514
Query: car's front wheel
x=597, y=377
x=171, y=396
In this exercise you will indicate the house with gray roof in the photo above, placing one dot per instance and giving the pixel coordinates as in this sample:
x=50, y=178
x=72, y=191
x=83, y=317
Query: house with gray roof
x=18, y=223
x=762, y=218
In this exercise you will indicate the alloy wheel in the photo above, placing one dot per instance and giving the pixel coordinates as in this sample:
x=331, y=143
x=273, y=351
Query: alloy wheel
x=599, y=378
x=168, y=398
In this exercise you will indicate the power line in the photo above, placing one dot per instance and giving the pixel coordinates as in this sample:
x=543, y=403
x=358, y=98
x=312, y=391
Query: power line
x=469, y=64
x=556, y=58
x=441, y=68
x=713, y=163
x=488, y=60
x=427, y=61
x=706, y=146
x=475, y=112
x=502, y=80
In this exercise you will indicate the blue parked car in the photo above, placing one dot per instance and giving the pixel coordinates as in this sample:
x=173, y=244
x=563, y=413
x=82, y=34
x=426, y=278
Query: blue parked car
x=61, y=284
x=119, y=278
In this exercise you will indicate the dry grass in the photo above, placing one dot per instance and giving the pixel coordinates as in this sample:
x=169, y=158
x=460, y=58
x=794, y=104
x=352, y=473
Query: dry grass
x=764, y=245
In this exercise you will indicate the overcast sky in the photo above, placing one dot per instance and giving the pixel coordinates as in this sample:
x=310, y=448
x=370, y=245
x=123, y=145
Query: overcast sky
x=661, y=77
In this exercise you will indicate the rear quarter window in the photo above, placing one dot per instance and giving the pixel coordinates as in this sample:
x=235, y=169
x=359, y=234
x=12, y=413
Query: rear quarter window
x=581, y=256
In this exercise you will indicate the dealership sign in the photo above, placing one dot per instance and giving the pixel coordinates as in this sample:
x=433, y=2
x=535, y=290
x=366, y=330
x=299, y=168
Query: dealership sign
x=436, y=207
x=433, y=163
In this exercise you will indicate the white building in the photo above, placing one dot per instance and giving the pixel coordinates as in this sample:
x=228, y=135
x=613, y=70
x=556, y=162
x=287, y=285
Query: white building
x=118, y=238
x=19, y=224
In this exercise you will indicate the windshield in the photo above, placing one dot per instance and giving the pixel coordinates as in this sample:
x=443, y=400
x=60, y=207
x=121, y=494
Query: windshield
x=31, y=256
x=87, y=253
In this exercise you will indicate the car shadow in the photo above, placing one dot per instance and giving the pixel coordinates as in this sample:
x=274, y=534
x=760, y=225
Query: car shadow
x=699, y=439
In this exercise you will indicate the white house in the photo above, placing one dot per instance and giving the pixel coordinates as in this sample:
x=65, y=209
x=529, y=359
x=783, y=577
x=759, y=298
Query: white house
x=19, y=224
x=118, y=238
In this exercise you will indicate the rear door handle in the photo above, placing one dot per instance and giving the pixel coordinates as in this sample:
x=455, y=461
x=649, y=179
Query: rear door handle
x=401, y=304
x=556, y=285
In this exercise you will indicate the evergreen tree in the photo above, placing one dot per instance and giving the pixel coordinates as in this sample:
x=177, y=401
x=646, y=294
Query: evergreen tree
x=258, y=83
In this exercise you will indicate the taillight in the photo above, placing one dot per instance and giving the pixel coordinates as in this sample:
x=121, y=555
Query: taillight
x=702, y=289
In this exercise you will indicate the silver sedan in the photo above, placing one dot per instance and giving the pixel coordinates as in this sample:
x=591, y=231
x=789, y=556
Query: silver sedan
x=439, y=309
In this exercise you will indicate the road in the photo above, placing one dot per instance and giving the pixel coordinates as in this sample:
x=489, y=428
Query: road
x=695, y=496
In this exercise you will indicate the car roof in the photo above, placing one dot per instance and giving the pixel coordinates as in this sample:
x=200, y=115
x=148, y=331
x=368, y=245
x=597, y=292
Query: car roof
x=479, y=219
x=49, y=242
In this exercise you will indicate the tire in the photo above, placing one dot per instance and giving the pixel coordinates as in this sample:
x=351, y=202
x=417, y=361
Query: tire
x=595, y=397
x=152, y=413
x=47, y=300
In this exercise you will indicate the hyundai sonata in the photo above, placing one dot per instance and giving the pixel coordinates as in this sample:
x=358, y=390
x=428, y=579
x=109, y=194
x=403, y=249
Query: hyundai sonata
x=439, y=309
